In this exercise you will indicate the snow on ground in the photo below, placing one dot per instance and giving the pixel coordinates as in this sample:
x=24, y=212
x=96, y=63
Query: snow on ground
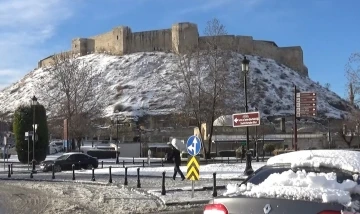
x=223, y=171
x=341, y=159
x=185, y=196
x=133, y=81
x=97, y=198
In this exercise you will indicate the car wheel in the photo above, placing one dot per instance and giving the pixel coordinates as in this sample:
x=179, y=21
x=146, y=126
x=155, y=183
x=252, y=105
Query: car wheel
x=57, y=168
x=89, y=166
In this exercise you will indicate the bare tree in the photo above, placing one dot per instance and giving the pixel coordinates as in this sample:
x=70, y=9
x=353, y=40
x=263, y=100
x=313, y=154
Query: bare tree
x=352, y=69
x=72, y=93
x=203, y=78
x=327, y=86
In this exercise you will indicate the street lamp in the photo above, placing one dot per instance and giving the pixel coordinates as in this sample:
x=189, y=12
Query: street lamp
x=117, y=136
x=245, y=69
x=33, y=104
x=357, y=130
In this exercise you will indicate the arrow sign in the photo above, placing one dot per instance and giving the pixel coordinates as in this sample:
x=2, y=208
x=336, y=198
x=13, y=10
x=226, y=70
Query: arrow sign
x=193, y=145
x=193, y=169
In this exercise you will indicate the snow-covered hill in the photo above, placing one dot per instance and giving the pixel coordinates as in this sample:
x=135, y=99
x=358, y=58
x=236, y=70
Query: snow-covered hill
x=132, y=82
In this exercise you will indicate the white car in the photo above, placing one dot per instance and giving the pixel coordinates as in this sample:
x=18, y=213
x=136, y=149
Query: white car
x=58, y=145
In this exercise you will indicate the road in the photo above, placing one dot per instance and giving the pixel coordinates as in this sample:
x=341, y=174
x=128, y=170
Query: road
x=66, y=198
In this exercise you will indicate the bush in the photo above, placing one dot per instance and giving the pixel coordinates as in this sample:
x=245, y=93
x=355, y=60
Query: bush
x=102, y=154
x=281, y=151
x=269, y=147
x=227, y=153
x=23, y=120
x=6, y=155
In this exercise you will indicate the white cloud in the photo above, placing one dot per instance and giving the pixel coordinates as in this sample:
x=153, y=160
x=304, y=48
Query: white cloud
x=23, y=26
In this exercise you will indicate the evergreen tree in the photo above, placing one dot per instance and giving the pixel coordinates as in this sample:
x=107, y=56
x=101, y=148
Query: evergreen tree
x=23, y=121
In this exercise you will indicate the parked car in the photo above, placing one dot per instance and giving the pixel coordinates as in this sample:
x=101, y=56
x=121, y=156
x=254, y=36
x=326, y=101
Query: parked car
x=65, y=162
x=53, y=149
x=58, y=145
x=310, y=192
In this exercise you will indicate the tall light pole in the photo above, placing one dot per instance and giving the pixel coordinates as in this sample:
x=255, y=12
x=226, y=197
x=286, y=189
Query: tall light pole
x=245, y=69
x=34, y=103
x=357, y=130
x=117, y=136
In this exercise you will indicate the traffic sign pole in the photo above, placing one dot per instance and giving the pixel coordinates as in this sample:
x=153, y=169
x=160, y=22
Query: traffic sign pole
x=193, y=146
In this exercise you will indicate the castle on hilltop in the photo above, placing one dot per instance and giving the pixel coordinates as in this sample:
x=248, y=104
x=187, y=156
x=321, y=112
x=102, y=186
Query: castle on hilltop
x=121, y=40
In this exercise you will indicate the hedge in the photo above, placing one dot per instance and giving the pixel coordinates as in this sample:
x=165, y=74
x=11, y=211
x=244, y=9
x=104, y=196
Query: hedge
x=23, y=121
x=227, y=153
x=281, y=151
x=102, y=154
x=6, y=155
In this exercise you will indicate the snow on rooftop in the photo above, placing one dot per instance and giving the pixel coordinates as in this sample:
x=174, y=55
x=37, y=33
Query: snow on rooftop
x=340, y=159
x=301, y=185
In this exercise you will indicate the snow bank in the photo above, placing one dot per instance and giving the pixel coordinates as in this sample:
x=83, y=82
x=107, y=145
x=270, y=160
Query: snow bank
x=301, y=185
x=223, y=171
x=341, y=159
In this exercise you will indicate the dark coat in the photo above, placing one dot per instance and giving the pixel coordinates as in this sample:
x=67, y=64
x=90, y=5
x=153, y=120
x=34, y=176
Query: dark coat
x=176, y=155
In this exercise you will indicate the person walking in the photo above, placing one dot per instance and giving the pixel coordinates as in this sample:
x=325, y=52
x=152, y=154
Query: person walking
x=177, y=162
x=149, y=156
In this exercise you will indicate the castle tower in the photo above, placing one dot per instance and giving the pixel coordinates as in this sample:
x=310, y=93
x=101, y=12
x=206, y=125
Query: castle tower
x=351, y=94
x=185, y=36
x=79, y=45
x=122, y=40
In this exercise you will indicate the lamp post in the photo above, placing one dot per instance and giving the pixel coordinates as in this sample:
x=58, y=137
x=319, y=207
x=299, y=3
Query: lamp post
x=357, y=130
x=33, y=104
x=117, y=136
x=245, y=69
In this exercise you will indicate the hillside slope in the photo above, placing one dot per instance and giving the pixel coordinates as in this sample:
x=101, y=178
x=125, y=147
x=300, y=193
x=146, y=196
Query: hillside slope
x=133, y=81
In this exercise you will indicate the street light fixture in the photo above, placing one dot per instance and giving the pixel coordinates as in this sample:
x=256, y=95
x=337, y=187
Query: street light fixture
x=245, y=69
x=34, y=102
x=117, y=136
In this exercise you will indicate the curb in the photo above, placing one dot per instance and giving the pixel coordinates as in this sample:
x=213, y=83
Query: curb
x=194, y=202
x=58, y=181
x=206, y=188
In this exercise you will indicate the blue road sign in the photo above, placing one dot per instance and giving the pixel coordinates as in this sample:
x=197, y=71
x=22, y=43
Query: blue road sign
x=193, y=145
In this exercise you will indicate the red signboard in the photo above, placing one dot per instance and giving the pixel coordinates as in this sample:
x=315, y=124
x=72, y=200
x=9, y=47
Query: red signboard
x=246, y=119
x=305, y=94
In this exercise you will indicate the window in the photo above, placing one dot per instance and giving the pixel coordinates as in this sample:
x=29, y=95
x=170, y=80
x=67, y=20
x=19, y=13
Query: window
x=117, y=37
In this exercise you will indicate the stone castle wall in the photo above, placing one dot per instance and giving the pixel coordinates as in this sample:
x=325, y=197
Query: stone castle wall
x=178, y=39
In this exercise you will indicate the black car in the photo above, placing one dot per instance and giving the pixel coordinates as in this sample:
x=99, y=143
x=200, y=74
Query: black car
x=65, y=162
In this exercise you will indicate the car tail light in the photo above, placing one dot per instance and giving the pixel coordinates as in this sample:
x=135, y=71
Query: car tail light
x=330, y=212
x=215, y=209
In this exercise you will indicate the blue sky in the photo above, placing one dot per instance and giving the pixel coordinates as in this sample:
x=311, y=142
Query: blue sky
x=326, y=29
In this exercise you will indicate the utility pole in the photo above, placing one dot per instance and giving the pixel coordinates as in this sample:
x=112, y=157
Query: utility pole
x=295, y=118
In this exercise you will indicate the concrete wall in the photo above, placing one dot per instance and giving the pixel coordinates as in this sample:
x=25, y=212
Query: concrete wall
x=48, y=61
x=103, y=42
x=293, y=58
x=181, y=38
x=266, y=49
x=156, y=40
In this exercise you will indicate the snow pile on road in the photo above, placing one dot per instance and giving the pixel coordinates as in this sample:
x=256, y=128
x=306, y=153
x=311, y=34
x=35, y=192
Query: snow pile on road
x=340, y=159
x=87, y=198
x=301, y=185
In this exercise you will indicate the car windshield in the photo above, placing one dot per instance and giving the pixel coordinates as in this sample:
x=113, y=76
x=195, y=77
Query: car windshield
x=62, y=157
x=263, y=173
